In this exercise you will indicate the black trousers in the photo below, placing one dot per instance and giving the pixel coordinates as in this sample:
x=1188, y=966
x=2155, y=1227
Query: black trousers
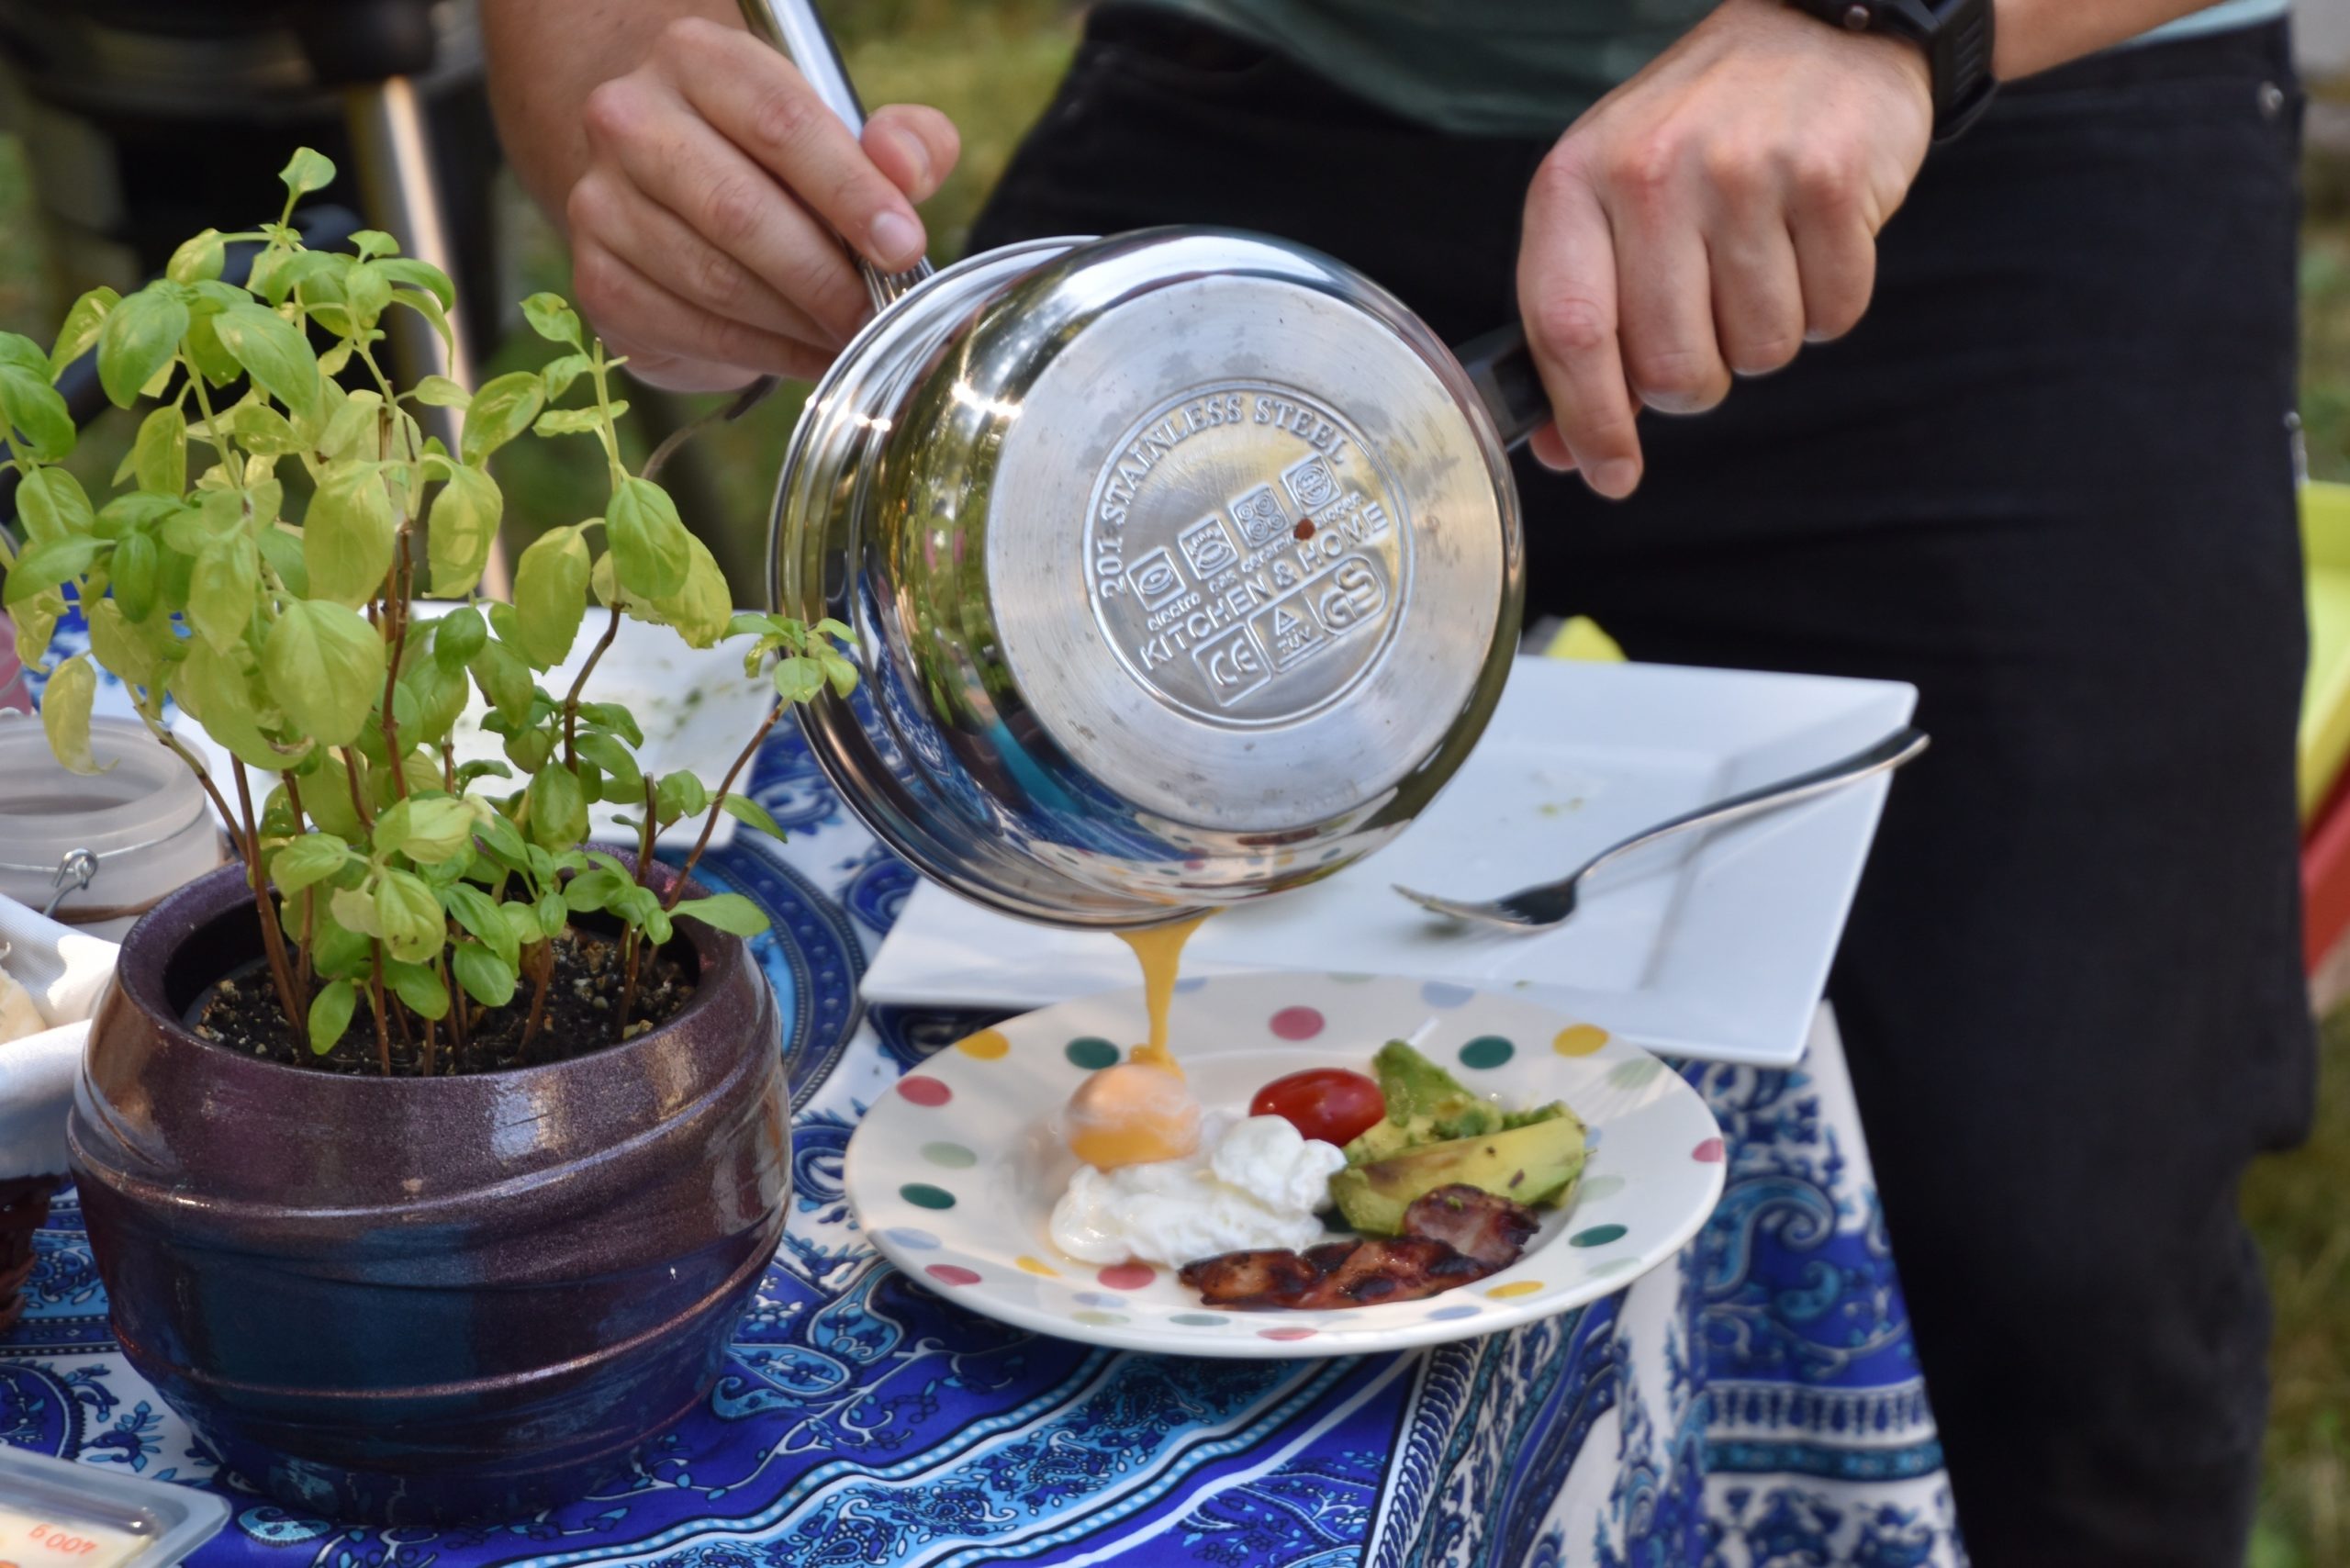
x=2048, y=481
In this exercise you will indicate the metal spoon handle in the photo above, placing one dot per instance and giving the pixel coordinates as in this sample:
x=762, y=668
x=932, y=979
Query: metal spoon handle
x=1882, y=757
x=793, y=28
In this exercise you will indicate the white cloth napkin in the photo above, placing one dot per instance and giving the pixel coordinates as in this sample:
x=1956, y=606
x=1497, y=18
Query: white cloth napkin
x=64, y=970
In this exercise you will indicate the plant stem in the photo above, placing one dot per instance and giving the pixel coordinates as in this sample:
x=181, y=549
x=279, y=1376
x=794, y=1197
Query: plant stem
x=376, y=999
x=460, y=1040
x=358, y=800
x=571, y=702
x=310, y=904
x=309, y=936
x=542, y=972
x=396, y=583
x=449, y=766
x=718, y=804
x=273, y=940
x=632, y=945
x=228, y=818
x=431, y=1048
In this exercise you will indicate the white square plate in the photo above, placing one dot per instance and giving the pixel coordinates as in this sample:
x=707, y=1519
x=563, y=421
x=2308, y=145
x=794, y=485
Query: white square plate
x=1715, y=946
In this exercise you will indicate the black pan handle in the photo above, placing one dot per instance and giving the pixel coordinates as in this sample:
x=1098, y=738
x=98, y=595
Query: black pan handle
x=1501, y=367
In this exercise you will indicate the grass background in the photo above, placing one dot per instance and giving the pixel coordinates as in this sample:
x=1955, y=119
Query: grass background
x=990, y=65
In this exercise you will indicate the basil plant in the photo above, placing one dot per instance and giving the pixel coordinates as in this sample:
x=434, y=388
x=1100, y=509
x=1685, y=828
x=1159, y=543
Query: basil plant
x=387, y=874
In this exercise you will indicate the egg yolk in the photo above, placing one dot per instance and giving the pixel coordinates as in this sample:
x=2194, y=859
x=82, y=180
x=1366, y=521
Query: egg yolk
x=1132, y=1113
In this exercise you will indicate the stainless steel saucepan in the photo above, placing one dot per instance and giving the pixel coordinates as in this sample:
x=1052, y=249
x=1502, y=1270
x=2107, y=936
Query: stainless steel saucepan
x=1184, y=566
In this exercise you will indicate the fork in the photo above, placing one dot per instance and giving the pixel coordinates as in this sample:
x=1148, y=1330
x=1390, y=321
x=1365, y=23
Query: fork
x=1540, y=908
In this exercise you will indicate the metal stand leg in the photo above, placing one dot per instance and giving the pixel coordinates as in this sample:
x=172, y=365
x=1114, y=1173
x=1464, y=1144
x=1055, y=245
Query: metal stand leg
x=396, y=183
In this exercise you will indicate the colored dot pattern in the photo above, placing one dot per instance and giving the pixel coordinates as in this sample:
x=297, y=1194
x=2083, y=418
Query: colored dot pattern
x=1091, y=1052
x=1579, y=1039
x=1635, y=1073
x=1296, y=1024
x=924, y=1090
x=1487, y=1051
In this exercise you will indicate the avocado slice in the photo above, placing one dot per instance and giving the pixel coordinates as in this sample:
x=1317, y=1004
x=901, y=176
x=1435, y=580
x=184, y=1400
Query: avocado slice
x=1536, y=1164
x=1427, y=1101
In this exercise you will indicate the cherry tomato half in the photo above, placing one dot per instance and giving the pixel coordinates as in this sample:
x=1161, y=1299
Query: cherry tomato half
x=1326, y=1102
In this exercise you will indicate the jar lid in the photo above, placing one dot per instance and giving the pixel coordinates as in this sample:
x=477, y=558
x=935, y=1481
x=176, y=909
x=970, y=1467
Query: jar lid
x=145, y=795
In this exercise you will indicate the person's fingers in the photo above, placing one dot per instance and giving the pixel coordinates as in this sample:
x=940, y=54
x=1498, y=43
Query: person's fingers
x=608, y=210
x=657, y=325
x=1835, y=247
x=915, y=145
x=680, y=160
x=1567, y=297
x=1550, y=449
x=757, y=100
x=1663, y=278
x=1758, y=303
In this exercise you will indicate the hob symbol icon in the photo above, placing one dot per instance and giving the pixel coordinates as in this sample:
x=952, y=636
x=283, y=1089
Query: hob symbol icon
x=1208, y=547
x=1310, y=484
x=1155, y=579
x=1260, y=517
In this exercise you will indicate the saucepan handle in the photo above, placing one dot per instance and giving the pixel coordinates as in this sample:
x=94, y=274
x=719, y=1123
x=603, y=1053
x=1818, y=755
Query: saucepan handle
x=1501, y=367
x=793, y=26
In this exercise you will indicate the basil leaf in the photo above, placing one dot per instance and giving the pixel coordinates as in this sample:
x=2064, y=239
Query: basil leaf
x=324, y=665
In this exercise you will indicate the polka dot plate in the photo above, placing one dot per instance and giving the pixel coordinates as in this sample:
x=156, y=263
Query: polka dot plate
x=955, y=1171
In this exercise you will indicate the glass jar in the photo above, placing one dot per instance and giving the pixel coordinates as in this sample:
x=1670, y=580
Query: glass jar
x=144, y=824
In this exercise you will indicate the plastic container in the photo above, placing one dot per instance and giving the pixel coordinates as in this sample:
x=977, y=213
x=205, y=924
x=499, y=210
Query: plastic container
x=145, y=821
x=58, y=1515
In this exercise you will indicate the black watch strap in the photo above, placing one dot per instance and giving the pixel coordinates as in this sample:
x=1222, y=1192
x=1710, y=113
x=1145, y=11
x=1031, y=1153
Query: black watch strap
x=1956, y=35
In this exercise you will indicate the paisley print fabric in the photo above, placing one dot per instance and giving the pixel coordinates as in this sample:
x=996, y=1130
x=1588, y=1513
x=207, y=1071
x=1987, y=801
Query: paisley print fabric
x=1754, y=1403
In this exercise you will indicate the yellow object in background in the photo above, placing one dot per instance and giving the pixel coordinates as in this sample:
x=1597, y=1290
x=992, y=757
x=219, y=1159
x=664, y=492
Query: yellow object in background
x=2325, y=695
x=1580, y=638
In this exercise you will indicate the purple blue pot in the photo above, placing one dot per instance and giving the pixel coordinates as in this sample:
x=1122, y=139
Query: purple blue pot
x=415, y=1301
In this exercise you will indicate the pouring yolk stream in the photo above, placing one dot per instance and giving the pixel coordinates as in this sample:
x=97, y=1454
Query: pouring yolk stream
x=1139, y=1112
x=1159, y=951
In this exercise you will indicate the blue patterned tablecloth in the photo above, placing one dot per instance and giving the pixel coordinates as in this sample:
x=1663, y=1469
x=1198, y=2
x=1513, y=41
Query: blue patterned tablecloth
x=1754, y=1402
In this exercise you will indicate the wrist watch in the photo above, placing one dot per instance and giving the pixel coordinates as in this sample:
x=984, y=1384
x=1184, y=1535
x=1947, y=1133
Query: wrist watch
x=1956, y=34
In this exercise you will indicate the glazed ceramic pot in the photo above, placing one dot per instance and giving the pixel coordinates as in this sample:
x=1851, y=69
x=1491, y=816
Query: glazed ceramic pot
x=407, y=1301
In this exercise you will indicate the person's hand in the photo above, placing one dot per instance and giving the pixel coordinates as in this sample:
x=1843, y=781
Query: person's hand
x=1707, y=217
x=702, y=229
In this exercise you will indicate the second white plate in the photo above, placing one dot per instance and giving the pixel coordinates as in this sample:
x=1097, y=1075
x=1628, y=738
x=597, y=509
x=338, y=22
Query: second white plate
x=1714, y=947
